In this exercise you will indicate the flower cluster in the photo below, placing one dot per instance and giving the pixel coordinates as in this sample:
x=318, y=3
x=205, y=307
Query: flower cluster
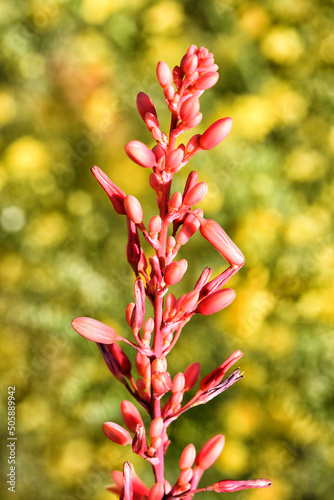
x=159, y=394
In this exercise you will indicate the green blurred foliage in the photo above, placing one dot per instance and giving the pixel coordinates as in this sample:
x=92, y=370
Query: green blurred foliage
x=70, y=72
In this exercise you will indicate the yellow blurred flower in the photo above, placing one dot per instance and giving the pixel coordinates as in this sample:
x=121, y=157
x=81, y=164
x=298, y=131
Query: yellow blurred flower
x=234, y=458
x=282, y=45
x=163, y=17
x=75, y=460
x=7, y=107
x=48, y=229
x=305, y=165
x=308, y=226
x=27, y=157
x=255, y=20
x=253, y=116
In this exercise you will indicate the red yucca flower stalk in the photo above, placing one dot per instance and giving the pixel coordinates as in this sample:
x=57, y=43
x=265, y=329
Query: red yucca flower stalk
x=159, y=394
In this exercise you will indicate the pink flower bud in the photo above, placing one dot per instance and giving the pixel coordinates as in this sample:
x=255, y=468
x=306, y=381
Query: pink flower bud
x=216, y=301
x=170, y=302
x=161, y=383
x=207, y=80
x=94, y=330
x=194, y=122
x=174, y=158
x=159, y=365
x=129, y=314
x=141, y=363
x=169, y=92
x=210, y=452
x=145, y=105
x=139, y=444
x=187, y=457
x=175, y=271
x=156, y=492
x=156, y=427
x=216, y=133
x=214, y=377
x=176, y=201
x=148, y=326
x=228, y=486
x=115, y=194
x=203, y=279
x=192, y=50
x=189, y=109
x=164, y=74
x=191, y=375
x=155, y=224
x=193, y=145
x=140, y=154
x=216, y=235
x=184, y=235
x=189, y=301
x=185, y=476
x=121, y=358
x=177, y=76
x=127, y=492
x=196, y=194
x=190, y=64
x=116, y=433
x=139, y=311
x=131, y=416
x=133, y=209
x=179, y=382
x=171, y=243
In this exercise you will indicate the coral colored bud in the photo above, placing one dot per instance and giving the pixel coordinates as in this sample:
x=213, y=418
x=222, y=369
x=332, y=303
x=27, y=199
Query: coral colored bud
x=174, y=158
x=156, y=427
x=189, y=301
x=145, y=105
x=170, y=301
x=159, y=365
x=179, y=382
x=129, y=314
x=171, y=243
x=177, y=398
x=141, y=362
x=189, y=109
x=207, y=80
x=216, y=235
x=177, y=76
x=131, y=416
x=187, y=457
x=192, y=49
x=115, y=194
x=191, y=375
x=203, y=279
x=139, y=444
x=140, y=154
x=155, y=224
x=151, y=121
x=175, y=271
x=185, y=476
x=194, y=122
x=94, y=330
x=169, y=91
x=154, y=181
x=216, y=133
x=116, y=433
x=164, y=74
x=184, y=235
x=216, y=301
x=161, y=383
x=193, y=145
x=228, y=486
x=159, y=152
x=139, y=311
x=190, y=64
x=156, y=133
x=121, y=358
x=196, y=194
x=148, y=326
x=133, y=209
x=210, y=452
x=176, y=201
x=156, y=443
x=156, y=492
x=191, y=181
x=127, y=492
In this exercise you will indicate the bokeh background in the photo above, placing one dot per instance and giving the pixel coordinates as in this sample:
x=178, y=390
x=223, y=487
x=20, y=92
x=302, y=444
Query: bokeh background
x=70, y=73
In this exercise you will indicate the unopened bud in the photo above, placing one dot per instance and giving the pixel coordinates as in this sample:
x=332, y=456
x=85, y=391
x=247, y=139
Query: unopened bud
x=191, y=375
x=155, y=224
x=164, y=74
x=185, y=476
x=210, y=452
x=193, y=145
x=115, y=194
x=116, y=433
x=140, y=154
x=161, y=383
x=156, y=492
x=178, y=383
x=175, y=271
x=131, y=416
x=190, y=64
x=216, y=133
x=145, y=105
x=189, y=301
x=187, y=457
x=207, y=80
x=189, y=109
x=170, y=301
x=228, y=486
x=174, y=158
x=133, y=209
x=156, y=427
x=216, y=301
x=196, y=194
x=175, y=201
